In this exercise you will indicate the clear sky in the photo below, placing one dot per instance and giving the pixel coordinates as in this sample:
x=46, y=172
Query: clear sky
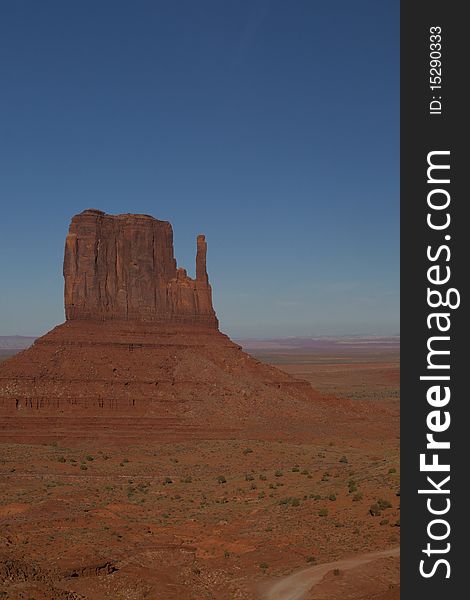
x=270, y=126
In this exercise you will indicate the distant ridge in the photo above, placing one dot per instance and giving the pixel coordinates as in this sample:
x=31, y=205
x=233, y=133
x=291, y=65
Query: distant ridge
x=321, y=344
x=16, y=342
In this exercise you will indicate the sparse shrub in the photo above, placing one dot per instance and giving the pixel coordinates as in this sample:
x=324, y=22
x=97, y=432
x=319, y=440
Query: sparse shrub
x=125, y=460
x=226, y=553
x=305, y=472
x=357, y=497
x=323, y=512
x=263, y=477
x=221, y=479
x=295, y=502
x=83, y=467
x=295, y=469
x=89, y=458
x=383, y=504
x=253, y=486
x=167, y=481
x=384, y=522
x=336, y=572
x=247, y=451
x=343, y=459
x=249, y=477
x=278, y=473
x=187, y=479
x=332, y=497
x=311, y=559
x=392, y=470
x=263, y=566
x=352, y=488
x=61, y=459
x=374, y=510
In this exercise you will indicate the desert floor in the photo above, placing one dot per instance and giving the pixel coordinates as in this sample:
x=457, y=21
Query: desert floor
x=215, y=519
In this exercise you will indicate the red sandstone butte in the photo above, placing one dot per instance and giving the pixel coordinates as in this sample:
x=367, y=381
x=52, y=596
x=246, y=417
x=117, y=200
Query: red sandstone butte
x=123, y=267
x=140, y=353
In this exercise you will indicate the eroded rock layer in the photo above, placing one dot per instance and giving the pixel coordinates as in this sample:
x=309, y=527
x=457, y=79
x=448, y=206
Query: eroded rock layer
x=123, y=267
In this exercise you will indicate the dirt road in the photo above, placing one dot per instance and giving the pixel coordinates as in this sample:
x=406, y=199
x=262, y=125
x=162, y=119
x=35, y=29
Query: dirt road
x=295, y=586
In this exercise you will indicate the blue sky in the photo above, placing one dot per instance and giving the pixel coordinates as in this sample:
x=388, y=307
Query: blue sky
x=270, y=126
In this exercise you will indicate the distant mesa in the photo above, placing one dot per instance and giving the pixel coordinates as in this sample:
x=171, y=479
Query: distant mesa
x=141, y=346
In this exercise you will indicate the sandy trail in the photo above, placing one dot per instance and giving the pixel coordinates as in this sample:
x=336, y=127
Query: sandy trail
x=295, y=586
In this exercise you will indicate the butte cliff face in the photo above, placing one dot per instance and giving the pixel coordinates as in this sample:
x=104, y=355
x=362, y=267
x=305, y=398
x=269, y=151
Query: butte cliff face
x=140, y=353
x=123, y=267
